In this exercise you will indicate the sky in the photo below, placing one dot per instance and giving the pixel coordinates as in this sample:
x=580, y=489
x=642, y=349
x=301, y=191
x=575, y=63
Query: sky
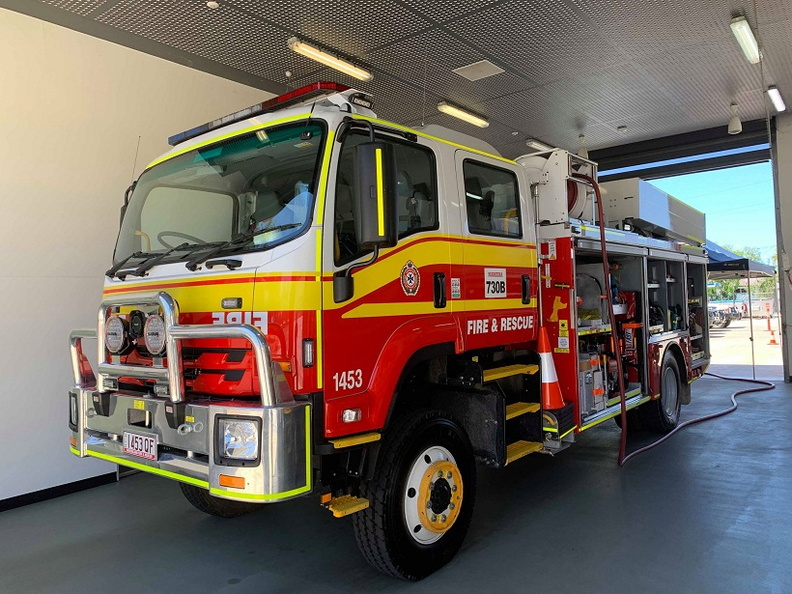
x=738, y=203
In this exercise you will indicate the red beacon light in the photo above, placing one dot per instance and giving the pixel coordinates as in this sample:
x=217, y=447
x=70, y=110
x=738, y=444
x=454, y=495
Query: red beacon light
x=295, y=97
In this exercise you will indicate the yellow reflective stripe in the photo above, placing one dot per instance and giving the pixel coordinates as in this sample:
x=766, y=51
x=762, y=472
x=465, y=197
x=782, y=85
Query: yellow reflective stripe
x=73, y=451
x=435, y=138
x=226, y=136
x=380, y=194
x=567, y=433
x=554, y=430
x=618, y=412
x=253, y=497
x=166, y=473
x=286, y=494
x=323, y=179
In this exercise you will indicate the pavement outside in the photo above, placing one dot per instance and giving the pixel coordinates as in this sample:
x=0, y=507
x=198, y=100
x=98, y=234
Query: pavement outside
x=731, y=349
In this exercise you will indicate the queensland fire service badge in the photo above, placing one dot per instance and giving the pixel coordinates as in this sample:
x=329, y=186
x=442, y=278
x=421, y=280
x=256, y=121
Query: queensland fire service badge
x=410, y=279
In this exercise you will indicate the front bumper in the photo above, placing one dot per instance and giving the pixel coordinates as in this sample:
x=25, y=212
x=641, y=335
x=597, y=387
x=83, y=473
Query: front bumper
x=186, y=432
x=189, y=452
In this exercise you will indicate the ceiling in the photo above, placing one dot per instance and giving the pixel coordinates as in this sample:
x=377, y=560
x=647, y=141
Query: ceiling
x=571, y=67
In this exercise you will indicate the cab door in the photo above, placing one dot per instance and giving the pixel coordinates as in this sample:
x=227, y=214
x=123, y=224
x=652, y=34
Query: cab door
x=401, y=300
x=499, y=276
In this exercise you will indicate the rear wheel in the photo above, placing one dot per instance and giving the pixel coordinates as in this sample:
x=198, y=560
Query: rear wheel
x=662, y=415
x=214, y=506
x=421, y=497
x=633, y=420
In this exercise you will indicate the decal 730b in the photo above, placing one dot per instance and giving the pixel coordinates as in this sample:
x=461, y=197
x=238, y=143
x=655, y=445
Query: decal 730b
x=495, y=282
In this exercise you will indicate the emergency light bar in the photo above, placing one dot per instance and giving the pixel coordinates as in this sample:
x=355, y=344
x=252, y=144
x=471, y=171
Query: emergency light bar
x=312, y=91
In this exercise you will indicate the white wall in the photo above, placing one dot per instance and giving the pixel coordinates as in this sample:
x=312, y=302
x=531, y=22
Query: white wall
x=782, y=167
x=71, y=110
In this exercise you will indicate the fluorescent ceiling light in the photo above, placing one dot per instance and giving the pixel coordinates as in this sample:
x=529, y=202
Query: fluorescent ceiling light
x=462, y=114
x=776, y=98
x=538, y=145
x=745, y=37
x=315, y=53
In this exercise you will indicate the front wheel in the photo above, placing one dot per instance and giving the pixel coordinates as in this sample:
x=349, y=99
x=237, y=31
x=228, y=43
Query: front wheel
x=421, y=497
x=662, y=415
x=215, y=506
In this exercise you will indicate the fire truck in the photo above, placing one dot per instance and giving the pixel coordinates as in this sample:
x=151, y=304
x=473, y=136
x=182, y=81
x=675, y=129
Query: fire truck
x=306, y=300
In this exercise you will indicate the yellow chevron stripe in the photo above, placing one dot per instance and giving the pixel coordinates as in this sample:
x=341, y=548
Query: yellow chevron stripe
x=287, y=296
x=417, y=308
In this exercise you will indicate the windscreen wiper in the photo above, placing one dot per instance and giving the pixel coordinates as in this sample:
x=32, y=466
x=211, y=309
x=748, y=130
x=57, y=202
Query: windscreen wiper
x=116, y=267
x=148, y=264
x=240, y=240
x=235, y=243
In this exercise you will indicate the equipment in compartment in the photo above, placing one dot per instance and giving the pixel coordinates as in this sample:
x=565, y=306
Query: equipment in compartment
x=591, y=383
x=589, y=299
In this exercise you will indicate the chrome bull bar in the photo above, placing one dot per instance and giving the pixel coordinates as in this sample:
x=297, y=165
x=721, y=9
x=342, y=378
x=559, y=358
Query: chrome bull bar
x=272, y=384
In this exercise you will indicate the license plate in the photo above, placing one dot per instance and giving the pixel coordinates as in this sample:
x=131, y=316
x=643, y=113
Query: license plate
x=142, y=446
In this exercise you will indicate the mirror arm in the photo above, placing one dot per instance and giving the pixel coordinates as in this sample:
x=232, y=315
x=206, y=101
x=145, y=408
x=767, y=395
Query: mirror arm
x=364, y=263
x=343, y=281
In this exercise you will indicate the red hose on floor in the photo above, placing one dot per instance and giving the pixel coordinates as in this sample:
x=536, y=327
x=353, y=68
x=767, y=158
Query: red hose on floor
x=765, y=386
x=617, y=354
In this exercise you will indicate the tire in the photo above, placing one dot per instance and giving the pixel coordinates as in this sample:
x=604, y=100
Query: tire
x=214, y=506
x=416, y=522
x=633, y=420
x=662, y=415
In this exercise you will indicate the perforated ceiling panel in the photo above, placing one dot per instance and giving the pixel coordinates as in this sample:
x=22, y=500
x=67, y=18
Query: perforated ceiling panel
x=354, y=27
x=571, y=67
x=81, y=7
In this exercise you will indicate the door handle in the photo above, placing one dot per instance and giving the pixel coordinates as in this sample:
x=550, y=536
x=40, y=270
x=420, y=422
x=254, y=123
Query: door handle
x=526, y=289
x=439, y=290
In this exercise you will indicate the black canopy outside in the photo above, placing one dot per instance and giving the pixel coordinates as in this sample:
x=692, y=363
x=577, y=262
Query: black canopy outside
x=724, y=264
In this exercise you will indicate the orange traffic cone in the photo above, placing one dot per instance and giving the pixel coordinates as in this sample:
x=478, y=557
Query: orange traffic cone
x=551, y=390
x=772, y=337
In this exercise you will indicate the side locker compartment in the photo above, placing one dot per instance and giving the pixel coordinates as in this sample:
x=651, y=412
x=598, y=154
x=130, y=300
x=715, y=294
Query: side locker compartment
x=697, y=315
x=558, y=306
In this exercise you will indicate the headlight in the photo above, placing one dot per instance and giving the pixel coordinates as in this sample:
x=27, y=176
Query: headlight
x=238, y=440
x=155, y=334
x=115, y=334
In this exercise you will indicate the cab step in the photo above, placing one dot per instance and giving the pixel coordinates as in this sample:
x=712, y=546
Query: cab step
x=516, y=409
x=346, y=505
x=519, y=449
x=490, y=375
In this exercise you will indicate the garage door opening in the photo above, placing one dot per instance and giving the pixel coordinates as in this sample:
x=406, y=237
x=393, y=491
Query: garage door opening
x=740, y=207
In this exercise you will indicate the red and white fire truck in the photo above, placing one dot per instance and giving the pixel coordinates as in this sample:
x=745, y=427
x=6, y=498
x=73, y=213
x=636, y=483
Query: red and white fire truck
x=307, y=300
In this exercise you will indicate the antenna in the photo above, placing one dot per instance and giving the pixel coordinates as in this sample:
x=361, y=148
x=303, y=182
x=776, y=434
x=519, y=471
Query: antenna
x=134, y=163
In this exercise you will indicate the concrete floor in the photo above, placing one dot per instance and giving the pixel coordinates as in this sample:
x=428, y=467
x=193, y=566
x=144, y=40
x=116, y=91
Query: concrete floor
x=709, y=511
x=731, y=349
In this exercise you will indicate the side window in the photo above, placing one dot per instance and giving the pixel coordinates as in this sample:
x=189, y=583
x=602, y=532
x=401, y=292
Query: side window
x=492, y=199
x=416, y=200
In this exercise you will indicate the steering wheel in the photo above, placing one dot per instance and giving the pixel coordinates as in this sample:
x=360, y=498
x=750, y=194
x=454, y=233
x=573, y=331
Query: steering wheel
x=178, y=235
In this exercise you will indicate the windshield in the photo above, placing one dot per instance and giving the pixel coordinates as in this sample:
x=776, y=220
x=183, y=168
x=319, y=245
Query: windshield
x=257, y=190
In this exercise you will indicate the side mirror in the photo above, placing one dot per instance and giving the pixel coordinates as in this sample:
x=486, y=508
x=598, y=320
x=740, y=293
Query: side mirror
x=375, y=195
